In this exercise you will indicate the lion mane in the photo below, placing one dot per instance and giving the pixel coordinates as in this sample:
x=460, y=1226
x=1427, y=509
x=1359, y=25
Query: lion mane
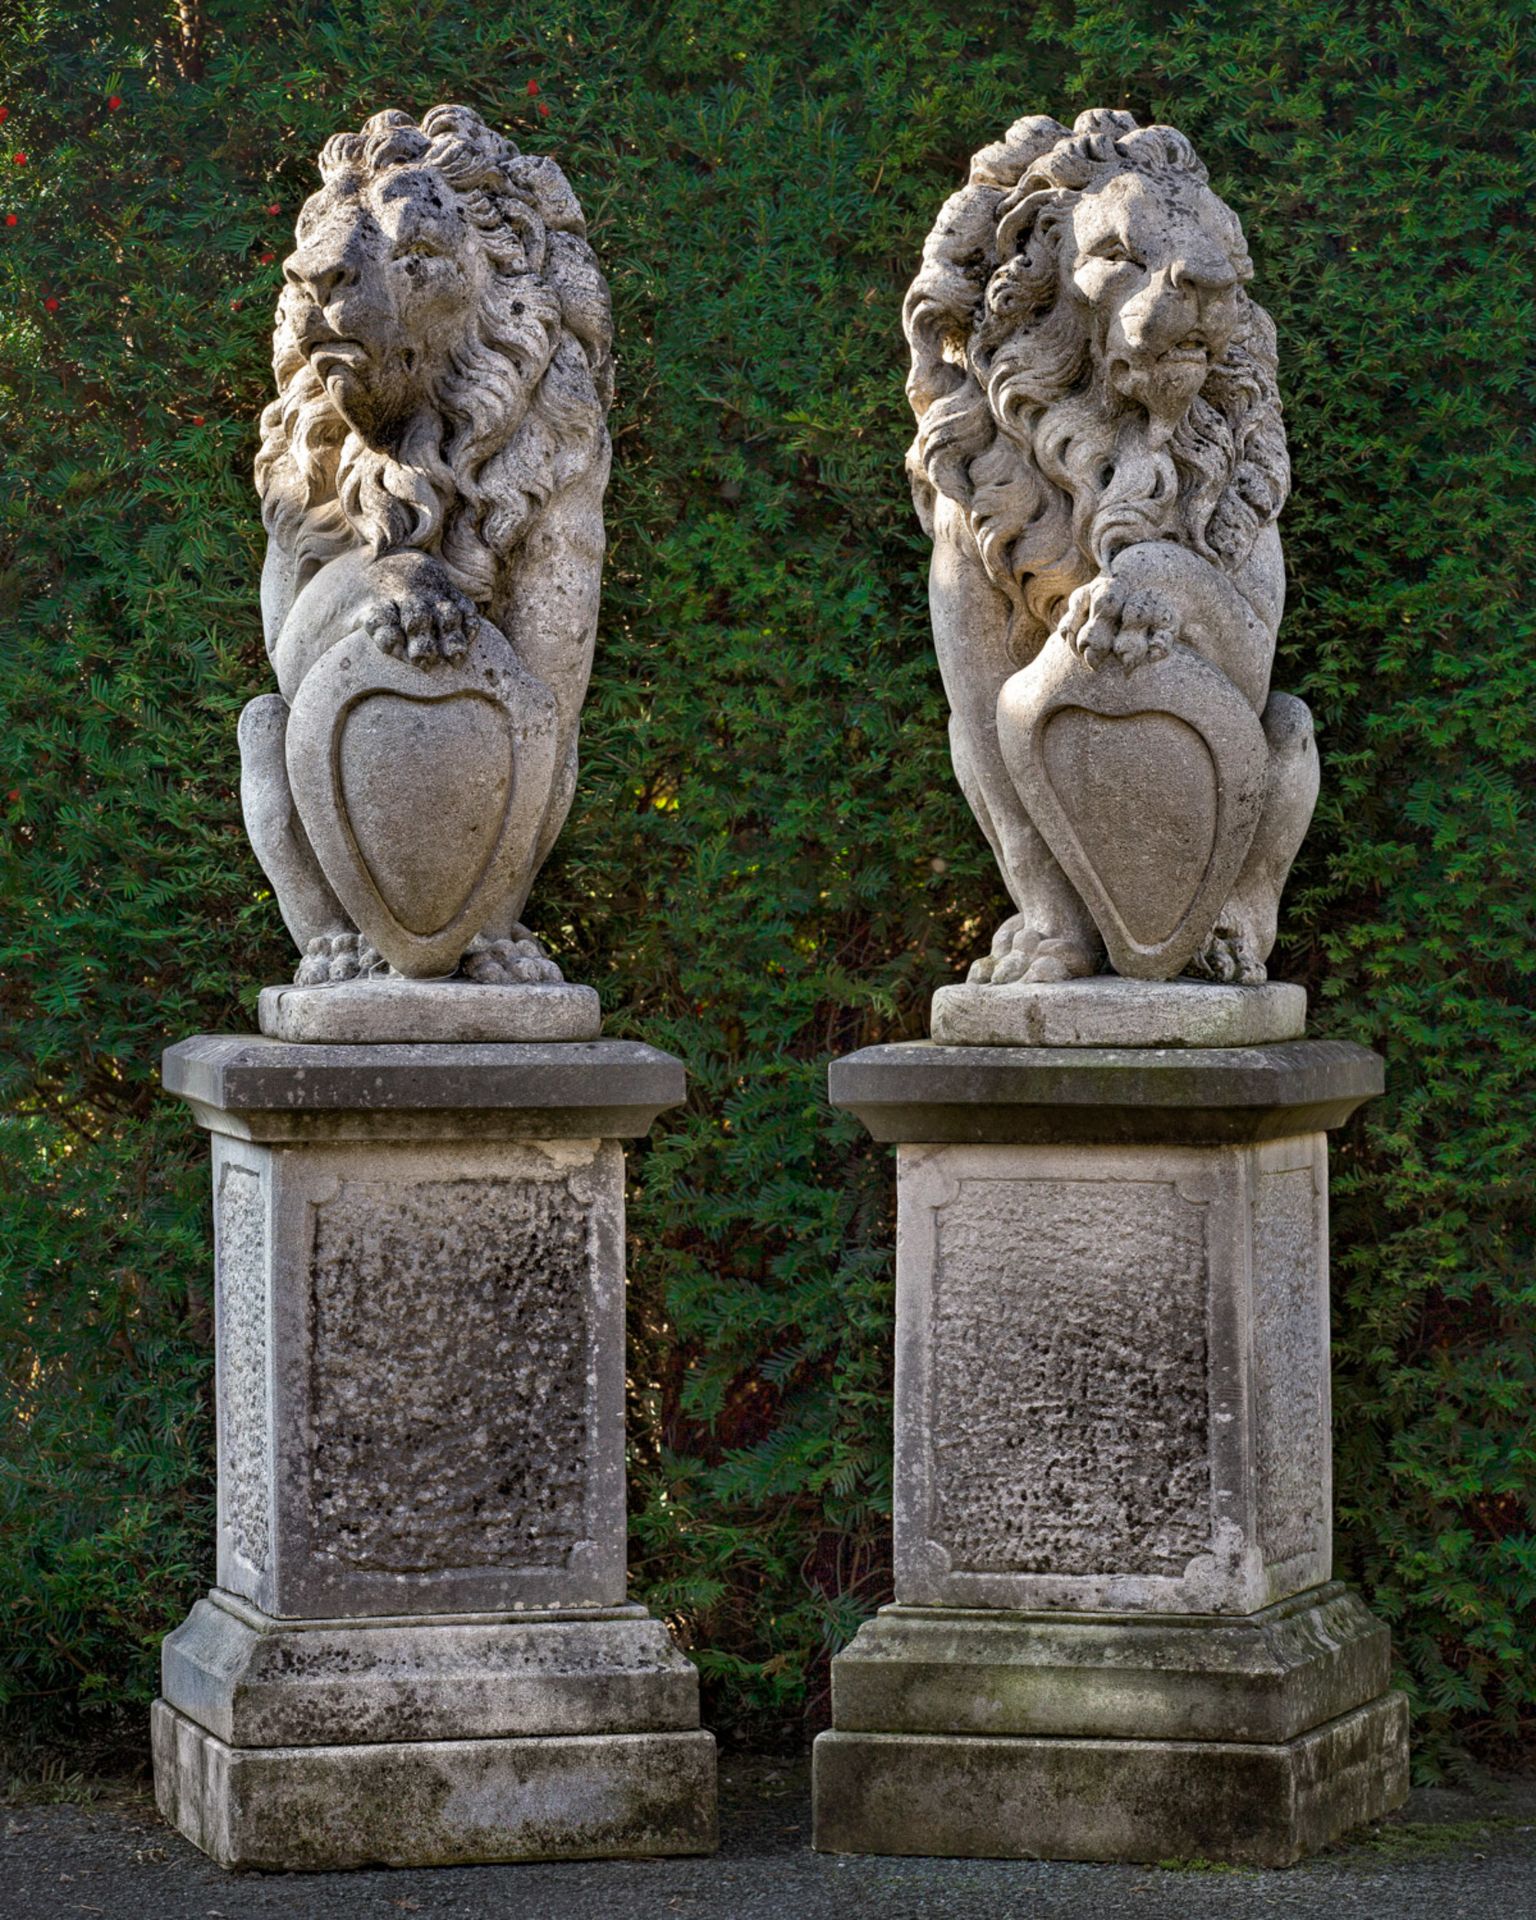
x=520, y=412
x=1016, y=424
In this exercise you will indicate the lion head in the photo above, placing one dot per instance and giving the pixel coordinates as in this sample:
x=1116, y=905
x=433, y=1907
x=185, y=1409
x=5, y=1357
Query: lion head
x=442, y=350
x=1088, y=370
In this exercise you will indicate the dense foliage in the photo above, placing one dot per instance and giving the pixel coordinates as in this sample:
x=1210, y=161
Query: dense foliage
x=768, y=862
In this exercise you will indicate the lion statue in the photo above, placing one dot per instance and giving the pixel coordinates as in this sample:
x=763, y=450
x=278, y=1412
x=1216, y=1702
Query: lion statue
x=1100, y=457
x=435, y=460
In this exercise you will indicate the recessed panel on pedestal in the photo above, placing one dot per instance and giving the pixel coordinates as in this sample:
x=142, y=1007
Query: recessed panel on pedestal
x=440, y=1347
x=1093, y=1346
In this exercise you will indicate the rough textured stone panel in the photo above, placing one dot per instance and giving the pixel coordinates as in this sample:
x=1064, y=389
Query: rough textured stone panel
x=449, y=1374
x=1290, y=1377
x=243, y=1418
x=1070, y=1404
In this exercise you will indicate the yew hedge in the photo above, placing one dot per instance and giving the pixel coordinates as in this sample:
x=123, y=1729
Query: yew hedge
x=768, y=862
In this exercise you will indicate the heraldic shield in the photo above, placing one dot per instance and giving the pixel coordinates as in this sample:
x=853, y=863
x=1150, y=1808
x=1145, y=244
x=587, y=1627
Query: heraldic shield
x=422, y=790
x=1147, y=784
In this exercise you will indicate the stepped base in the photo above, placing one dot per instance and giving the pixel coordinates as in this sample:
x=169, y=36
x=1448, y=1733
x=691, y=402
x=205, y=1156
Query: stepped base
x=425, y=1741
x=1251, y=1740
x=1244, y=1804
x=430, y=1803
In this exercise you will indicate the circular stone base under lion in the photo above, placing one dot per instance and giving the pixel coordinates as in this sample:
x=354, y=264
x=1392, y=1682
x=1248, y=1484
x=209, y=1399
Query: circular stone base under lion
x=384, y=1012
x=1112, y=1012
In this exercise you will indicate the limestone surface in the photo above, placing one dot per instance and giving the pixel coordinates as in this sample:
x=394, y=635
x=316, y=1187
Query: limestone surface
x=435, y=1802
x=1112, y=1376
x=1253, y=1804
x=1101, y=464
x=1191, y=1096
x=1109, y=1012
x=1115, y=1634
x=1268, y=1676
x=431, y=477
x=385, y=1011
x=419, y=1648
x=423, y=1345
x=259, y=1089
x=255, y=1681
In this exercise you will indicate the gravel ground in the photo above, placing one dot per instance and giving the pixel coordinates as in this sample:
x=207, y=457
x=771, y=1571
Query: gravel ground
x=1451, y=1855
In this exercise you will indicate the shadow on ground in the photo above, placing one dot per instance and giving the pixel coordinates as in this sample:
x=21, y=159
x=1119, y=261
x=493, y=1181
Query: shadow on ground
x=1450, y=1855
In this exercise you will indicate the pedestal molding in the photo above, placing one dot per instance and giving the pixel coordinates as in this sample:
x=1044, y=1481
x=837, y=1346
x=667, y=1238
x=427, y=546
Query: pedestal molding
x=1208, y=1096
x=261, y=1089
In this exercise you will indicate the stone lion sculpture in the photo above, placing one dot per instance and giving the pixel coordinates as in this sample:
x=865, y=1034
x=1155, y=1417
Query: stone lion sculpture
x=431, y=477
x=1100, y=462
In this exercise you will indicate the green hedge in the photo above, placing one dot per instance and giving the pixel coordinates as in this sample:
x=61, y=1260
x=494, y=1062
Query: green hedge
x=768, y=863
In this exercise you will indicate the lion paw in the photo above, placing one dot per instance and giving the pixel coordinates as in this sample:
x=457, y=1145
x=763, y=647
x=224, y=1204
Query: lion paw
x=1108, y=617
x=1230, y=955
x=422, y=617
x=518, y=962
x=1021, y=952
x=336, y=956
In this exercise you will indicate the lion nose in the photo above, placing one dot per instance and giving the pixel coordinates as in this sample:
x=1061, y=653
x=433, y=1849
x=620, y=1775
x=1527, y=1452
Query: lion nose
x=321, y=281
x=1203, y=276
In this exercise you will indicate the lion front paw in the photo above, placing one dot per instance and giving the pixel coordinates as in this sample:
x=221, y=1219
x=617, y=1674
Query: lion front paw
x=420, y=615
x=518, y=962
x=336, y=956
x=1108, y=617
x=1021, y=952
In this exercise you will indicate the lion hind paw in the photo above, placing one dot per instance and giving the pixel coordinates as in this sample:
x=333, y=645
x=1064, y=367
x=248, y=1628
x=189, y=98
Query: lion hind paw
x=510, y=963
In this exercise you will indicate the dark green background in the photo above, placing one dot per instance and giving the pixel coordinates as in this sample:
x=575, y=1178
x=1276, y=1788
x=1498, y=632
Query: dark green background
x=768, y=862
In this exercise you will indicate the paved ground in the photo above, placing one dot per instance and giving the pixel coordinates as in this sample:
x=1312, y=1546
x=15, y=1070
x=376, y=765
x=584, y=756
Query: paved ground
x=1449, y=1856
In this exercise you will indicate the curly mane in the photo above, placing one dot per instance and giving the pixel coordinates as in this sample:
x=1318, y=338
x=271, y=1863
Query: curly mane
x=1016, y=424
x=522, y=408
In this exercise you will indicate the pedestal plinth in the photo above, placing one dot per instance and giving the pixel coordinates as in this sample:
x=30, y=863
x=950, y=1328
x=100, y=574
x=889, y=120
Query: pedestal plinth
x=419, y=1649
x=1115, y=1632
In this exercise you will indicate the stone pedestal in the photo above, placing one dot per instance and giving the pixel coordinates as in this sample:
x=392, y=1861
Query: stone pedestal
x=1115, y=1633
x=419, y=1648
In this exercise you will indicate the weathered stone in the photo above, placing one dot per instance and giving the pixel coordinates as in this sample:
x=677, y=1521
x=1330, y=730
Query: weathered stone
x=383, y=1012
x=1266, y=1676
x=439, y=447
x=1101, y=463
x=1085, y=1358
x=1214, y=1096
x=419, y=1648
x=1110, y=1012
x=266, y=1090
x=440, y=1425
x=254, y=1681
x=426, y=1803
x=1115, y=1636
x=1244, y=1803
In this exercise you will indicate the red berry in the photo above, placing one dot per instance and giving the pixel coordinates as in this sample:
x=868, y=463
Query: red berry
x=197, y=419
x=533, y=87
x=234, y=306
x=5, y=114
x=114, y=101
x=266, y=257
x=543, y=111
x=20, y=159
x=10, y=219
x=14, y=794
x=51, y=304
x=274, y=208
